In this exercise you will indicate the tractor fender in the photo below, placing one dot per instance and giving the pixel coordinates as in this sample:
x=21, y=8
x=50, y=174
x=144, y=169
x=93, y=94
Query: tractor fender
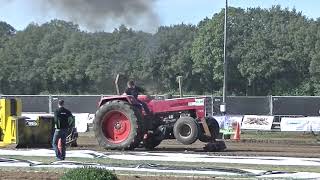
x=127, y=98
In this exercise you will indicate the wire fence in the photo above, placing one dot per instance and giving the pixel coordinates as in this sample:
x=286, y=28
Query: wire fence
x=236, y=105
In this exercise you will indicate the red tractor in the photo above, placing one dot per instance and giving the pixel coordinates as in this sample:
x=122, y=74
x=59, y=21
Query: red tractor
x=120, y=122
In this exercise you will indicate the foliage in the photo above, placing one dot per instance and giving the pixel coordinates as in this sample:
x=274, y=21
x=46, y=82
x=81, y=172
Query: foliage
x=269, y=52
x=89, y=173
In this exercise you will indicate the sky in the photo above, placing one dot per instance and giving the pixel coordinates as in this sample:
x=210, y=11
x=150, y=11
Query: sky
x=20, y=13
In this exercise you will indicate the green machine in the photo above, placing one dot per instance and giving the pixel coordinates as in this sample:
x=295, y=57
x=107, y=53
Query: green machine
x=35, y=132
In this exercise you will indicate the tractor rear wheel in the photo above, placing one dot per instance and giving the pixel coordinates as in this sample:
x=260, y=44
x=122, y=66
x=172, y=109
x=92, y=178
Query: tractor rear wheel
x=117, y=125
x=186, y=130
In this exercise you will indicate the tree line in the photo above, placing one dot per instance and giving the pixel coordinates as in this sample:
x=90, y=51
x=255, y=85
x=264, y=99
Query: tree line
x=269, y=51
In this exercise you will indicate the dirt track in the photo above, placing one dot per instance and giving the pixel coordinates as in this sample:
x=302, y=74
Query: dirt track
x=246, y=147
x=298, y=146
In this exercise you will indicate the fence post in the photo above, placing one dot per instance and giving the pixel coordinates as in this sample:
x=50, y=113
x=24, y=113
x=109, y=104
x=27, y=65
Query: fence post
x=212, y=101
x=50, y=104
x=270, y=105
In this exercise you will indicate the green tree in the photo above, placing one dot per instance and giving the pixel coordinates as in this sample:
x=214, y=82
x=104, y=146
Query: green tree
x=314, y=68
x=276, y=57
x=168, y=55
x=207, y=51
x=269, y=51
x=6, y=31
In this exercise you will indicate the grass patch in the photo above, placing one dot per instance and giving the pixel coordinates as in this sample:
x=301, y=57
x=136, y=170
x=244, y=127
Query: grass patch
x=274, y=135
x=89, y=173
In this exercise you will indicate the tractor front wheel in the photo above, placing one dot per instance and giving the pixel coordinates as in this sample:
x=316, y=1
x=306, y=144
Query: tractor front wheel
x=117, y=125
x=186, y=130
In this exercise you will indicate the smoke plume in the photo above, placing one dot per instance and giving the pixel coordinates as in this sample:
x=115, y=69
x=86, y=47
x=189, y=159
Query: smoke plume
x=103, y=14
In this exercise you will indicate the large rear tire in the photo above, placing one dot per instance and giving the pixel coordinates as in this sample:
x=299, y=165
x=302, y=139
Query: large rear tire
x=186, y=130
x=117, y=125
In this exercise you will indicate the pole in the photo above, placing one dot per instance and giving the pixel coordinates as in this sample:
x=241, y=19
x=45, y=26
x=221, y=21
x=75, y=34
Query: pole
x=50, y=104
x=180, y=86
x=223, y=107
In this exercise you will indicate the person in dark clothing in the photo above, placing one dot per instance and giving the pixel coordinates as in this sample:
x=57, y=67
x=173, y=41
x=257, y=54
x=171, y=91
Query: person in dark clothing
x=134, y=91
x=63, y=120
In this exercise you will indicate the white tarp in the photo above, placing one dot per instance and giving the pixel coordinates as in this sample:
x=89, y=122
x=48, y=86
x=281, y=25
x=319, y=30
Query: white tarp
x=81, y=121
x=178, y=157
x=256, y=122
x=300, y=124
x=171, y=157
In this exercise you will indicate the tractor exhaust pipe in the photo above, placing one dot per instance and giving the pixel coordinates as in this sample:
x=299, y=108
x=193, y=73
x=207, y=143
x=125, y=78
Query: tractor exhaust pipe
x=116, y=83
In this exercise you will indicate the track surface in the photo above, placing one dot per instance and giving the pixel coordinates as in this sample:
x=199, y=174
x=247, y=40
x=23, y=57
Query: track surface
x=293, y=147
x=288, y=148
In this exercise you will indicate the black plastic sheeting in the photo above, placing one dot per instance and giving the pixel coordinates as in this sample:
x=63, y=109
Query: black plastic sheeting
x=41, y=104
x=244, y=105
x=301, y=105
x=33, y=103
x=79, y=104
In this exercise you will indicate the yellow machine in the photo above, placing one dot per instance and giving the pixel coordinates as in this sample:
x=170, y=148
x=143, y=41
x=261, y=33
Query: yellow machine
x=10, y=111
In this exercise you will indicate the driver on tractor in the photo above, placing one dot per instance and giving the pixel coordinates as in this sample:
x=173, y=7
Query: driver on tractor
x=134, y=91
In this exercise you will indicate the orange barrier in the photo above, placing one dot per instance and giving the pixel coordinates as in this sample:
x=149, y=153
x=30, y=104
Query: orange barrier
x=237, y=133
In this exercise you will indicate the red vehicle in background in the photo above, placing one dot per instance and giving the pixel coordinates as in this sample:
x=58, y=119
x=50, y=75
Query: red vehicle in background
x=121, y=123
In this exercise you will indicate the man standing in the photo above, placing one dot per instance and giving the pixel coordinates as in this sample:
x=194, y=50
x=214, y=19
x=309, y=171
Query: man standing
x=63, y=120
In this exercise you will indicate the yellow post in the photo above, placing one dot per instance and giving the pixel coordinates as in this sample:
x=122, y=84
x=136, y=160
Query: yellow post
x=3, y=118
x=9, y=111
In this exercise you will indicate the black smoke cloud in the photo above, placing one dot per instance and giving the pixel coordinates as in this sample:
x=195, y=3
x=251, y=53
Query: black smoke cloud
x=103, y=14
